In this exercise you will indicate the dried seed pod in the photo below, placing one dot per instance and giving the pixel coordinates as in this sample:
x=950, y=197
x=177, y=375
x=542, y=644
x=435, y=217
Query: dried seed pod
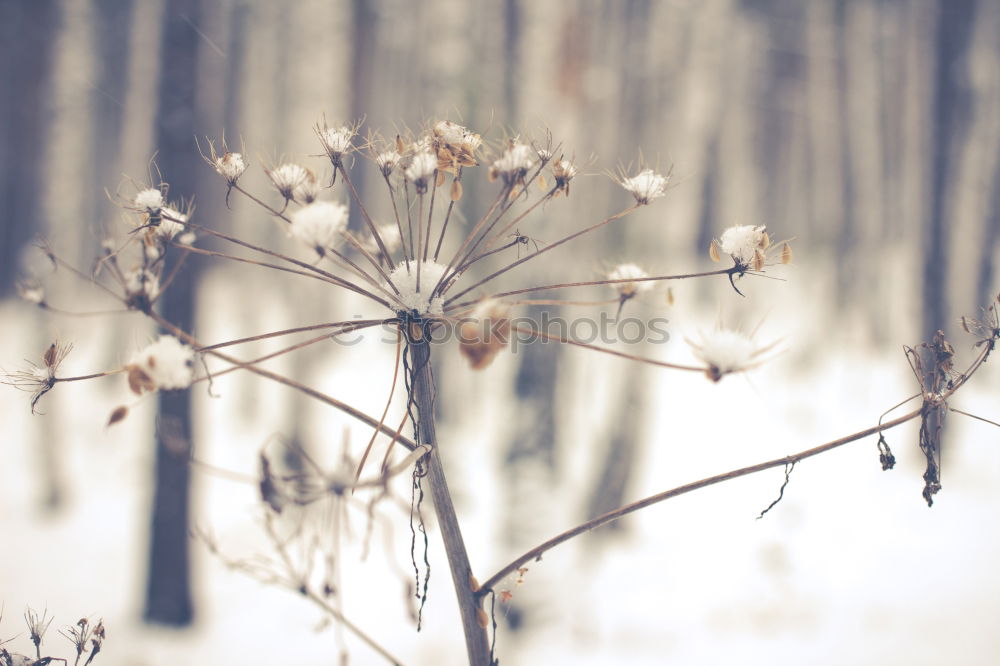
x=483, y=618
x=713, y=251
x=440, y=179
x=118, y=415
x=670, y=295
x=400, y=146
x=765, y=241
x=456, y=189
x=758, y=260
x=786, y=253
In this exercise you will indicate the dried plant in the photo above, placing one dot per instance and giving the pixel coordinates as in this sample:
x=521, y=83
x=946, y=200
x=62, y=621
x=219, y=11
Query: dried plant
x=87, y=640
x=419, y=280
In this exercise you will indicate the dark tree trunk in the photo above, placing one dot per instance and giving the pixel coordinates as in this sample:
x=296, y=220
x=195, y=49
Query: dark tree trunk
x=168, y=590
x=27, y=35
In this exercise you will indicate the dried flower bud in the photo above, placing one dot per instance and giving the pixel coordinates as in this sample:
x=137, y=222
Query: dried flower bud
x=337, y=141
x=743, y=243
x=563, y=171
x=117, y=415
x=786, y=253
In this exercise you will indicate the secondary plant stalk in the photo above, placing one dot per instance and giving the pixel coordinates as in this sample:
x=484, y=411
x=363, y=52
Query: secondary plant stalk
x=476, y=641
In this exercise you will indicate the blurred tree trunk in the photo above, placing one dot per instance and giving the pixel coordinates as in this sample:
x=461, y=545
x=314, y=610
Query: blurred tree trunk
x=364, y=35
x=168, y=590
x=951, y=110
x=27, y=35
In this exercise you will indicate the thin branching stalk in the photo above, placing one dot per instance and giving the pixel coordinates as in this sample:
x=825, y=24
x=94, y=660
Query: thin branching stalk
x=476, y=641
x=447, y=217
x=566, y=239
x=365, y=215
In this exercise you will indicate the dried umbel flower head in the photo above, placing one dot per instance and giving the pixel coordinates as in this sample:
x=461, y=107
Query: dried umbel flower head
x=485, y=334
x=725, y=351
x=287, y=178
x=645, y=186
x=172, y=222
x=166, y=363
x=513, y=164
x=319, y=224
x=230, y=166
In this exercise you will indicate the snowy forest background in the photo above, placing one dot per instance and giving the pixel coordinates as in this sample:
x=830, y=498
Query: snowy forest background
x=866, y=130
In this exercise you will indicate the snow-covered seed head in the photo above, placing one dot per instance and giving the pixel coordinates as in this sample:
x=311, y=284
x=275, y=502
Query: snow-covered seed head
x=149, y=200
x=645, y=186
x=513, y=164
x=746, y=245
x=319, y=224
x=141, y=283
x=166, y=363
x=31, y=290
x=629, y=272
x=413, y=299
x=421, y=170
x=563, y=171
x=230, y=166
x=456, y=135
x=485, y=333
x=386, y=161
x=287, y=178
x=725, y=351
x=337, y=141
x=309, y=189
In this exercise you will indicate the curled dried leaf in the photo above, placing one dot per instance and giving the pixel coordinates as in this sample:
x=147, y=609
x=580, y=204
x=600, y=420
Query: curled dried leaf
x=138, y=381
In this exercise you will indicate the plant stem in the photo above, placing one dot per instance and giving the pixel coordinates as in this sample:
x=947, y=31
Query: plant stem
x=476, y=641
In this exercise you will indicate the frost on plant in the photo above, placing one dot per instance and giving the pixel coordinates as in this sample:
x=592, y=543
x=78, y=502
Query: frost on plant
x=166, y=363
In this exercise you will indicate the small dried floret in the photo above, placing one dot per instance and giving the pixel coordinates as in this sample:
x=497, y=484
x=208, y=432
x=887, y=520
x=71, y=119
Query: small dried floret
x=629, y=272
x=421, y=169
x=39, y=379
x=167, y=363
x=149, y=200
x=386, y=161
x=319, y=224
x=454, y=145
x=513, y=164
x=337, y=141
x=645, y=186
x=404, y=278
x=725, y=351
x=287, y=178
